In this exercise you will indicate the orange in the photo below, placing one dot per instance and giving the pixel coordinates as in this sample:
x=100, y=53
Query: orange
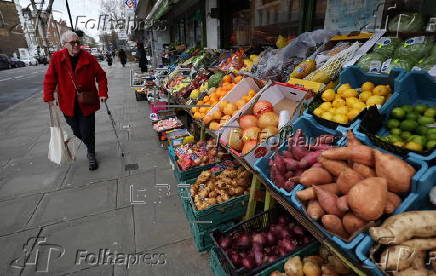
x=227, y=78
x=252, y=92
x=240, y=103
x=217, y=115
x=206, y=98
x=229, y=109
x=223, y=104
x=237, y=79
x=246, y=98
x=200, y=102
x=213, y=97
x=214, y=102
x=207, y=119
x=214, y=125
x=195, y=109
x=197, y=115
x=203, y=109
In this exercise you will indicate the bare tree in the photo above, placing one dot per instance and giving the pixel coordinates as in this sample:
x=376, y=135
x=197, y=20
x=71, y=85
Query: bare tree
x=42, y=20
x=113, y=12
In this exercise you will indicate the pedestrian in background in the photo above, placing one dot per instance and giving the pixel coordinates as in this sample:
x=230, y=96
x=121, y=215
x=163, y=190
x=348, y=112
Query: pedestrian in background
x=142, y=57
x=122, y=56
x=74, y=73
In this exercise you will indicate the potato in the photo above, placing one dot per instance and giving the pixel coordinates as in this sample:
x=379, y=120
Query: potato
x=392, y=203
x=347, y=179
x=339, y=266
x=294, y=266
x=328, y=270
x=421, y=244
x=352, y=224
x=334, y=225
x=419, y=261
x=315, y=176
x=335, y=167
x=327, y=201
x=397, y=172
x=277, y=273
x=359, y=154
x=367, y=199
x=309, y=193
x=402, y=227
x=314, y=210
x=314, y=259
x=311, y=269
x=397, y=257
x=363, y=170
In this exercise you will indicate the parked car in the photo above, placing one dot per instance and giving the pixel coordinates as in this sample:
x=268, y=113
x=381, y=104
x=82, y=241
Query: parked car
x=29, y=61
x=5, y=62
x=98, y=55
x=16, y=63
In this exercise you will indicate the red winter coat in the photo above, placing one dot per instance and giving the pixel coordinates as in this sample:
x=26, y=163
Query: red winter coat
x=87, y=73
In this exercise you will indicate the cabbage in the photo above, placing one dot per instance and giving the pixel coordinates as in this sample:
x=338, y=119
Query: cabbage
x=400, y=63
x=411, y=22
x=365, y=60
x=414, y=48
x=386, y=46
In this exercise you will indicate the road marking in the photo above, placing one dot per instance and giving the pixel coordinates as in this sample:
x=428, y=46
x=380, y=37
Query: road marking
x=19, y=77
x=6, y=79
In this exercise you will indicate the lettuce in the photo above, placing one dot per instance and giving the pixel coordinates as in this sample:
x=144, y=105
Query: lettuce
x=414, y=48
x=386, y=46
x=365, y=60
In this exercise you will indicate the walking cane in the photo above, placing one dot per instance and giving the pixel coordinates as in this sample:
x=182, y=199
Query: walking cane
x=114, y=128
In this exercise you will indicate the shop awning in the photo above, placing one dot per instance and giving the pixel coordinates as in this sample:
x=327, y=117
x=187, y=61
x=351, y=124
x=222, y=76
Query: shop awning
x=159, y=9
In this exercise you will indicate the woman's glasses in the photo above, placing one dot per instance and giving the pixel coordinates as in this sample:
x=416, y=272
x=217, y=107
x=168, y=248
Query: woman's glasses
x=74, y=42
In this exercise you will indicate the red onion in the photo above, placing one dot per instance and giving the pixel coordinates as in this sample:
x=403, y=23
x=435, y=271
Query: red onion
x=259, y=238
x=298, y=230
x=257, y=247
x=287, y=245
x=248, y=262
x=236, y=260
x=281, y=232
x=270, y=238
x=282, y=252
x=282, y=220
x=258, y=257
x=271, y=259
x=243, y=254
x=225, y=242
x=244, y=241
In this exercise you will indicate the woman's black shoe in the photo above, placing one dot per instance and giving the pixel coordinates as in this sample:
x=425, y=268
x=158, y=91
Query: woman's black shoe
x=93, y=165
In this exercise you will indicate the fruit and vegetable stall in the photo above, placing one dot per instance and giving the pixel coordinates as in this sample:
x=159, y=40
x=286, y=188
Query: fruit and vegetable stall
x=306, y=160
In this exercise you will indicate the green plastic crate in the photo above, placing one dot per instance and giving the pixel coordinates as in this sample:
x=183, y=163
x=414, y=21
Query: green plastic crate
x=215, y=265
x=202, y=239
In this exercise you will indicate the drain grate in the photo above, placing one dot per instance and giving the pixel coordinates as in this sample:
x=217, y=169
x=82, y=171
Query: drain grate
x=131, y=167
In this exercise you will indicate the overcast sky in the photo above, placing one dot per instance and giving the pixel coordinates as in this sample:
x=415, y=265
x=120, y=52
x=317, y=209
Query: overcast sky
x=88, y=8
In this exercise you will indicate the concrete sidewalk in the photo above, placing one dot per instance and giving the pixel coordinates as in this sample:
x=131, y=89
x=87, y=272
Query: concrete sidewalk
x=69, y=220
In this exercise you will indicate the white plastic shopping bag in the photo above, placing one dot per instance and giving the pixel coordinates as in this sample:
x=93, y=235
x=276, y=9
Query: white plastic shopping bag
x=61, y=149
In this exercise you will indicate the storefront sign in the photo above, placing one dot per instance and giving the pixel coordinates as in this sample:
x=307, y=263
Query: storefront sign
x=353, y=15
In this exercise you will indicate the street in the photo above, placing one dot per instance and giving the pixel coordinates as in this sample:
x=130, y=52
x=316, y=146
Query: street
x=73, y=214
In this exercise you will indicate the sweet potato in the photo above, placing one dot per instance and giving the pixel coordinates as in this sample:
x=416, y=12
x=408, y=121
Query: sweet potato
x=397, y=172
x=413, y=271
x=351, y=140
x=352, y=224
x=308, y=160
x=299, y=152
x=334, y=225
x=309, y=193
x=287, y=154
x=421, y=244
x=360, y=154
x=363, y=170
x=291, y=164
x=392, y=203
x=342, y=204
x=315, y=176
x=347, y=179
x=327, y=201
x=367, y=199
x=333, y=166
x=314, y=210
x=280, y=164
x=402, y=227
x=397, y=257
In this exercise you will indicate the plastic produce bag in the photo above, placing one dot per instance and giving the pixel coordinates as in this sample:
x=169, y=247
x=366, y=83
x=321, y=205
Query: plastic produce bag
x=414, y=48
x=273, y=61
x=386, y=46
x=410, y=22
x=371, y=62
x=400, y=63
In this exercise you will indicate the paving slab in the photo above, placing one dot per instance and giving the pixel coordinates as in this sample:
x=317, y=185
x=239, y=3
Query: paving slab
x=160, y=224
x=181, y=259
x=99, y=270
x=152, y=185
x=83, y=240
x=30, y=176
x=73, y=203
x=14, y=214
x=12, y=253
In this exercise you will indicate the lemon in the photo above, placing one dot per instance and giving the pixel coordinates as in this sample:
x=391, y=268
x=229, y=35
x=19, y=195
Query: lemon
x=338, y=97
x=340, y=119
x=341, y=110
x=343, y=87
x=332, y=110
x=365, y=95
x=318, y=112
x=328, y=95
x=351, y=100
x=359, y=106
x=375, y=100
x=380, y=90
x=414, y=146
x=353, y=113
x=327, y=116
x=349, y=93
x=399, y=144
x=388, y=87
x=325, y=105
x=338, y=103
x=367, y=86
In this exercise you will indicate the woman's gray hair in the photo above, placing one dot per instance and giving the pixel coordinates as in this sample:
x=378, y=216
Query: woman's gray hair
x=67, y=35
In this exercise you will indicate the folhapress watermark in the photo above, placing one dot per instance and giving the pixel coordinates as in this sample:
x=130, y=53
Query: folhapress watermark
x=109, y=257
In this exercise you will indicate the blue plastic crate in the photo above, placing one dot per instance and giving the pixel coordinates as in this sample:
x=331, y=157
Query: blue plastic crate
x=413, y=88
x=310, y=129
x=356, y=77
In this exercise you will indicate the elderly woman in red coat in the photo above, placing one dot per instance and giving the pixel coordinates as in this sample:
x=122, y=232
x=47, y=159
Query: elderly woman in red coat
x=72, y=71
